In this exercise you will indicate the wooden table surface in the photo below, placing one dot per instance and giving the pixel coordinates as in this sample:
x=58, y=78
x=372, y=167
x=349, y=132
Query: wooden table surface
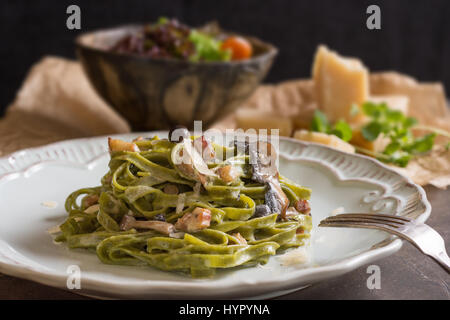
x=407, y=274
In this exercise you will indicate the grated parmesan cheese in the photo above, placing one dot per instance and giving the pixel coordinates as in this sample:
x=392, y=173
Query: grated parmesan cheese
x=49, y=204
x=180, y=202
x=295, y=257
x=337, y=211
x=197, y=189
x=54, y=229
x=259, y=265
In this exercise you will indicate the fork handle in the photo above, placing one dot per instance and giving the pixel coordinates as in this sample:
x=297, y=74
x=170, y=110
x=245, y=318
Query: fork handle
x=437, y=250
x=443, y=259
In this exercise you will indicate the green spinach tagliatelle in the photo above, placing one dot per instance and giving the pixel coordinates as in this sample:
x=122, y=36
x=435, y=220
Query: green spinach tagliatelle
x=135, y=185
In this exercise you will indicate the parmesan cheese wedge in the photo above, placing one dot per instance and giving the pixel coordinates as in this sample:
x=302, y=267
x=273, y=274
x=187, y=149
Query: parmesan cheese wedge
x=294, y=257
x=255, y=119
x=339, y=83
x=323, y=138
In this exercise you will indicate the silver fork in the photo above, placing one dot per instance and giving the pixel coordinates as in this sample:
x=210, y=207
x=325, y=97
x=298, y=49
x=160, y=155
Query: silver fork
x=425, y=238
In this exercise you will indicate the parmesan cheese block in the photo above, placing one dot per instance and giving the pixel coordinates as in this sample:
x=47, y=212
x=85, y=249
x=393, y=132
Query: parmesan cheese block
x=256, y=119
x=323, y=138
x=339, y=83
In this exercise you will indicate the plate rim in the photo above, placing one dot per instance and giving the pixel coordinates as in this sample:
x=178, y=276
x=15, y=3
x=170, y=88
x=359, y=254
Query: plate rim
x=150, y=288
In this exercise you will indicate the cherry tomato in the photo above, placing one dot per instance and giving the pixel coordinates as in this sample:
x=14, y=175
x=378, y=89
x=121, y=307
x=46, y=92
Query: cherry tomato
x=240, y=48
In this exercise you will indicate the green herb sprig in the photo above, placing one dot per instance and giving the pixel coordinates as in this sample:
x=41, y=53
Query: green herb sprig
x=386, y=122
x=396, y=126
x=340, y=129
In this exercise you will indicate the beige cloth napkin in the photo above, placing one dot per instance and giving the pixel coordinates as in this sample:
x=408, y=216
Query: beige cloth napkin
x=56, y=102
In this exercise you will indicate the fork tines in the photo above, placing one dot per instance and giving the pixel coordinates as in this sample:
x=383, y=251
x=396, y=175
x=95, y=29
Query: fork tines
x=365, y=218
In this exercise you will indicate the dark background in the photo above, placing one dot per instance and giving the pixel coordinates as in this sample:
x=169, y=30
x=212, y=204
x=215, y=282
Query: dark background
x=414, y=39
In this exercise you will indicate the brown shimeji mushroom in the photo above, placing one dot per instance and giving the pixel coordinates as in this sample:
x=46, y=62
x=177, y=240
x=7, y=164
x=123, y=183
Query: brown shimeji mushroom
x=198, y=219
x=262, y=160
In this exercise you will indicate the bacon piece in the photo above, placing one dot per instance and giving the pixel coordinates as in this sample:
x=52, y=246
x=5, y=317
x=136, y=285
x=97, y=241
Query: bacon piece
x=228, y=173
x=302, y=206
x=120, y=145
x=240, y=238
x=89, y=200
x=194, y=221
x=140, y=138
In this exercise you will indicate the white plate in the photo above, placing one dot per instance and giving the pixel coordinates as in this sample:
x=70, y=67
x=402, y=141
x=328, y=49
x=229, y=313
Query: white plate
x=31, y=177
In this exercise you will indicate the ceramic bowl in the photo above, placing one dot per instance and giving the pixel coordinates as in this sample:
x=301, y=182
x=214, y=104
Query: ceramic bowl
x=161, y=93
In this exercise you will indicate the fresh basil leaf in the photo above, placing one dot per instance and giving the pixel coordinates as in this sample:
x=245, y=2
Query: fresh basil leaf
x=396, y=126
x=409, y=122
x=370, y=108
x=394, y=116
x=387, y=127
x=374, y=110
x=401, y=158
x=422, y=144
x=371, y=131
x=405, y=137
x=320, y=122
x=343, y=130
x=392, y=148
